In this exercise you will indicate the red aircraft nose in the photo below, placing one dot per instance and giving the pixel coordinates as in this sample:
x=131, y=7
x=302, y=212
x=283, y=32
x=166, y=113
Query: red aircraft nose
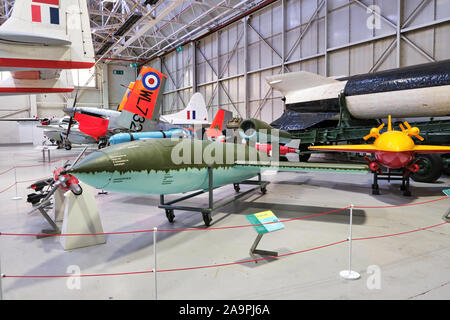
x=394, y=160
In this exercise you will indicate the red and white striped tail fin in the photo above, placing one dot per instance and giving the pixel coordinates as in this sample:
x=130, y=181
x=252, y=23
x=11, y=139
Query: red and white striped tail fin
x=40, y=42
x=58, y=30
x=19, y=86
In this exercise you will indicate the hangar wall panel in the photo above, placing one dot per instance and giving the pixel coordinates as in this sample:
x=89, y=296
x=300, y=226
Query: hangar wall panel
x=334, y=38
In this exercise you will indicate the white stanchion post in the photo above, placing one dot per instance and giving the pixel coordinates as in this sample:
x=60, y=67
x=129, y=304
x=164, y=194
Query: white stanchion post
x=155, y=229
x=15, y=183
x=350, y=274
x=1, y=279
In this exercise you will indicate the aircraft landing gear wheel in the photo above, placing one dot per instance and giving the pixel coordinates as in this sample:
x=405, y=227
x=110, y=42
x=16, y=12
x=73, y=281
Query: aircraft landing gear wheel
x=170, y=215
x=263, y=190
x=430, y=168
x=236, y=187
x=68, y=146
x=207, y=218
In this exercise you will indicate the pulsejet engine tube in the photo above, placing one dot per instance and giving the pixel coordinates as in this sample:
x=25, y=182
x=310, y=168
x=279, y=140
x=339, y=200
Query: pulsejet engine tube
x=260, y=131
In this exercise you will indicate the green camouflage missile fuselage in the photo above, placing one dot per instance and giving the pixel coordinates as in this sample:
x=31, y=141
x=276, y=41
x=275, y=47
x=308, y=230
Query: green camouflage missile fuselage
x=164, y=166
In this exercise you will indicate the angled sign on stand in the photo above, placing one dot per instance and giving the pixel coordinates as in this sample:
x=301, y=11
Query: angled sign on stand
x=263, y=222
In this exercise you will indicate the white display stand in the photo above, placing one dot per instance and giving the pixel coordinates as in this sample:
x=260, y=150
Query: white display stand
x=58, y=206
x=80, y=217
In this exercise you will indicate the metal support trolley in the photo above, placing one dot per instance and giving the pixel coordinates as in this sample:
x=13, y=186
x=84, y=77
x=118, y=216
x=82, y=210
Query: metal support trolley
x=206, y=212
x=402, y=176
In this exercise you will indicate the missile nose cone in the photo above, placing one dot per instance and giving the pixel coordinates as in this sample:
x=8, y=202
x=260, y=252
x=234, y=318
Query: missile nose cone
x=95, y=170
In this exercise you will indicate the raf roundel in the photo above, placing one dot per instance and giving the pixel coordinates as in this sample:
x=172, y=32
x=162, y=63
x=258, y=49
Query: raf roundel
x=150, y=81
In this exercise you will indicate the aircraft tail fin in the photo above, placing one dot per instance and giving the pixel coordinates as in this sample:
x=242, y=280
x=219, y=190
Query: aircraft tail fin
x=17, y=86
x=194, y=113
x=215, y=130
x=61, y=23
x=293, y=86
x=125, y=96
x=297, y=81
x=196, y=108
x=219, y=122
x=141, y=109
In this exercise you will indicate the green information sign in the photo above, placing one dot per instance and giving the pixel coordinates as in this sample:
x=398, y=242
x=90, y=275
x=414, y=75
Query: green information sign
x=265, y=222
x=118, y=72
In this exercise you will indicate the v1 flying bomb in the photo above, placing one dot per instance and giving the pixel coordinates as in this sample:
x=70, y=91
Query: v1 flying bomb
x=392, y=149
x=169, y=166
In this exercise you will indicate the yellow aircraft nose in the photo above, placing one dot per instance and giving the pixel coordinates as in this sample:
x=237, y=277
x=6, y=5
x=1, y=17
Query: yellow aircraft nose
x=394, y=141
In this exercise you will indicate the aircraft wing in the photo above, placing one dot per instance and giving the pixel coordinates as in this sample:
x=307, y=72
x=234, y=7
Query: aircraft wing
x=19, y=119
x=306, y=166
x=431, y=149
x=369, y=148
x=53, y=128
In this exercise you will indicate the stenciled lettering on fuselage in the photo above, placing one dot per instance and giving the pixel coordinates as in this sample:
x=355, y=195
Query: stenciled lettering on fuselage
x=119, y=160
x=167, y=179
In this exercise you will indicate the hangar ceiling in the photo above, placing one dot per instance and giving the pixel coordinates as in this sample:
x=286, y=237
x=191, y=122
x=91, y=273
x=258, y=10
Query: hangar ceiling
x=138, y=29
x=238, y=43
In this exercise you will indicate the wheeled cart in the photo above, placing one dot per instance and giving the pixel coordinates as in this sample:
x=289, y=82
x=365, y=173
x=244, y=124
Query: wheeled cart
x=401, y=176
x=206, y=212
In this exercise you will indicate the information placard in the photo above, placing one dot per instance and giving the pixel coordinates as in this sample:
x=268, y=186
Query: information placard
x=265, y=222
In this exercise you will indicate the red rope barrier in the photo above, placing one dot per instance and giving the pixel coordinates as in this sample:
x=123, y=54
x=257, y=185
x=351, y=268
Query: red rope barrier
x=230, y=263
x=254, y=260
x=24, y=181
x=179, y=269
x=211, y=228
x=35, y=165
x=401, y=205
x=31, y=180
x=151, y=230
x=401, y=233
x=7, y=170
x=7, y=188
x=74, y=234
x=81, y=275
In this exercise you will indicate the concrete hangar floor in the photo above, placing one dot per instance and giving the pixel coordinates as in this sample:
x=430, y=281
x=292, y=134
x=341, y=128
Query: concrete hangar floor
x=405, y=266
